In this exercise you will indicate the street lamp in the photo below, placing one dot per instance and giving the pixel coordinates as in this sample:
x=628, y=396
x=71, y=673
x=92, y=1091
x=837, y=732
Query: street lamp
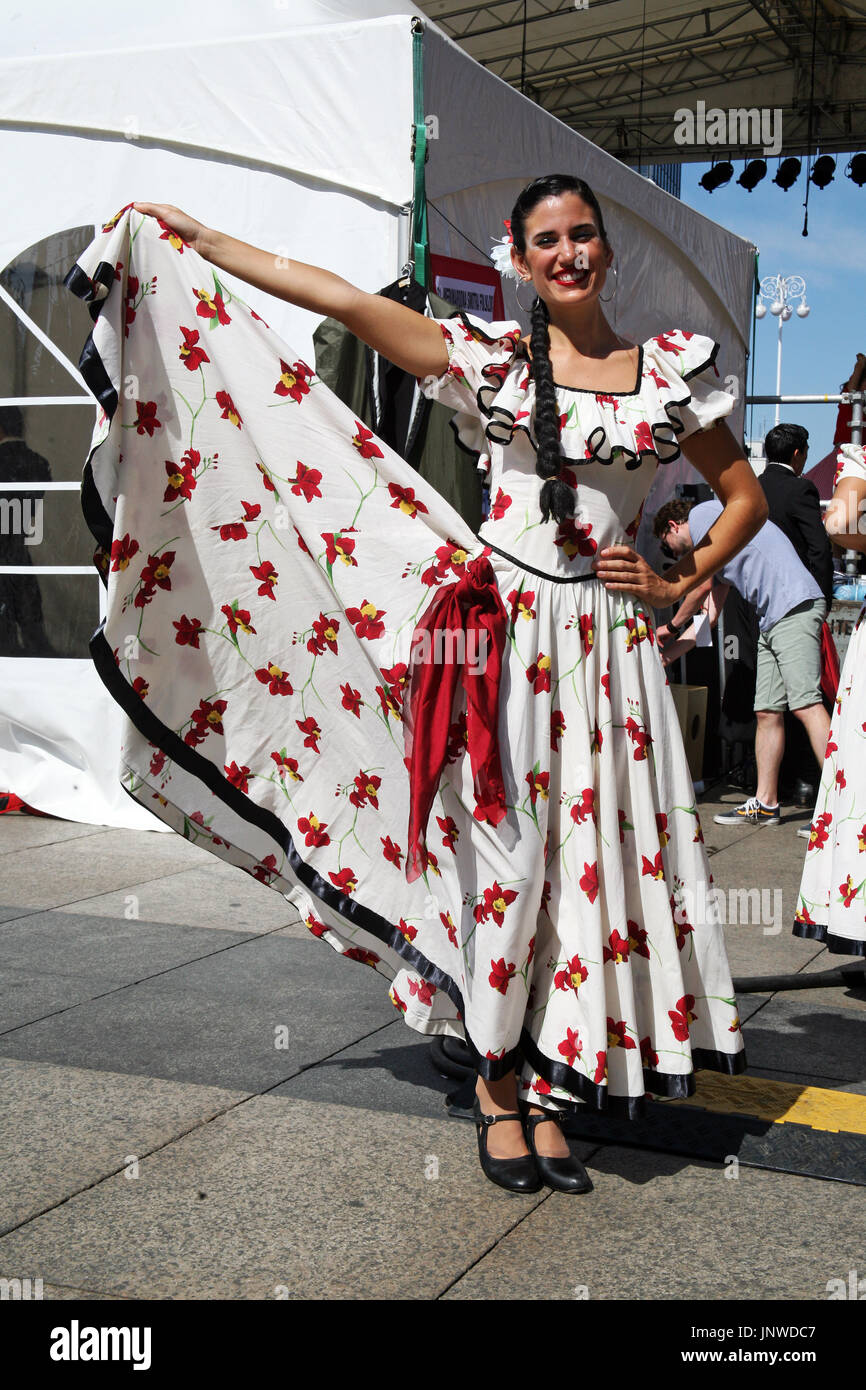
x=777, y=290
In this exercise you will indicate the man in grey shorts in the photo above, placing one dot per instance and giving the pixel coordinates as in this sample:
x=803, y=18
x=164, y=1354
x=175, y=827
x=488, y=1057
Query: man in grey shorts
x=791, y=609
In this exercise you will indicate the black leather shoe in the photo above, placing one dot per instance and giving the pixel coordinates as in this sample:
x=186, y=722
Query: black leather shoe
x=562, y=1174
x=514, y=1174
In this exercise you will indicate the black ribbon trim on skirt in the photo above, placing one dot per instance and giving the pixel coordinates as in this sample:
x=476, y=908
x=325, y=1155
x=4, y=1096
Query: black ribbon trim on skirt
x=837, y=945
x=150, y=727
x=530, y=569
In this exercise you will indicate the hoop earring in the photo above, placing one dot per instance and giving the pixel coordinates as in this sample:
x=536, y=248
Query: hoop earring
x=527, y=308
x=615, y=286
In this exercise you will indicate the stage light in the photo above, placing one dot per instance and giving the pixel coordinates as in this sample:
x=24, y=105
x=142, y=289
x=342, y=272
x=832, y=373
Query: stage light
x=788, y=173
x=857, y=169
x=752, y=174
x=822, y=171
x=718, y=176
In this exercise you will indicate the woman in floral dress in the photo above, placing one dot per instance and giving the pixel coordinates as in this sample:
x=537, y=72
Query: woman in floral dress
x=831, y=904
x=455, y=754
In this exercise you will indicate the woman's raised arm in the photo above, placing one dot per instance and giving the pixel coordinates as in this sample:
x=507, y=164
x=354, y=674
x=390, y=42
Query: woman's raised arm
x=404, y=337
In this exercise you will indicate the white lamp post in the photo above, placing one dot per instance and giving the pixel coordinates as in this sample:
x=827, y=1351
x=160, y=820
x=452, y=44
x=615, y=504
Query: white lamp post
x=777, y=290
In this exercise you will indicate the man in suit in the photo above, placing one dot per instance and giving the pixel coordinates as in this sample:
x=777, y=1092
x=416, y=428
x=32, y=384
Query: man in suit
x=794, y=504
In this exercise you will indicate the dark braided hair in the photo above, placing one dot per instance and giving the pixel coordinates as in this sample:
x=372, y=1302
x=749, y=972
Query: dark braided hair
x=557, y=498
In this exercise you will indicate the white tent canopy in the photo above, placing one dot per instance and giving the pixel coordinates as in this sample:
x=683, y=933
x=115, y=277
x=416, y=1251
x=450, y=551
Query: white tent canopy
x=288, y=126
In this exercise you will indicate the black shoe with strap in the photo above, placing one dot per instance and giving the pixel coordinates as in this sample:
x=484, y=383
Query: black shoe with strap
x=562, y=1174
x=514, y=1174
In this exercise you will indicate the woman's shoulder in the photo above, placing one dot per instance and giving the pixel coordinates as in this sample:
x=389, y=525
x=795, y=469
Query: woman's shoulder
x=686, y=352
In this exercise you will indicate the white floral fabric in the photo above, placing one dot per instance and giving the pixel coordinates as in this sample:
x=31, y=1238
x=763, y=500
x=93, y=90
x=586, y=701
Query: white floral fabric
x=267, y=561
x=831, y=904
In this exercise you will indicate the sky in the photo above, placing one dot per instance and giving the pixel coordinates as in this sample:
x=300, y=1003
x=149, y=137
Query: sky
x=817, y=352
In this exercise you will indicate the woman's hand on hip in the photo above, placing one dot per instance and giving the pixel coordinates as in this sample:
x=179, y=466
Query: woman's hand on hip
x=622, y=570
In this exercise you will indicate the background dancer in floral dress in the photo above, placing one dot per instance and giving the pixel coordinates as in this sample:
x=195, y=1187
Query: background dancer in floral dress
x=831, y=904
x=509, y=835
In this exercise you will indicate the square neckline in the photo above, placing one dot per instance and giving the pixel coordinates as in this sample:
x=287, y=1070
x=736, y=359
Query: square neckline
x=597, y=390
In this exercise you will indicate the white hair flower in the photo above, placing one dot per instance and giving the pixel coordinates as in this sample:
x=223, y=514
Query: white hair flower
x=500, y=254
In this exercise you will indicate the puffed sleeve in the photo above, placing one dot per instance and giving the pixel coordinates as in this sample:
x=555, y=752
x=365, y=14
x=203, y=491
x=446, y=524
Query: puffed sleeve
x=480, y=358
x=683, y=366
x=850, y=463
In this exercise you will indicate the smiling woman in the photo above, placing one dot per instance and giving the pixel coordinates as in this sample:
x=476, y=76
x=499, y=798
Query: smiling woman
x=502, y=825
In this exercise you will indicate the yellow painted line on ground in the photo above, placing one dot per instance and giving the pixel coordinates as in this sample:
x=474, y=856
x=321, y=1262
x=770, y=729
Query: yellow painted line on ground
x=782, y=1102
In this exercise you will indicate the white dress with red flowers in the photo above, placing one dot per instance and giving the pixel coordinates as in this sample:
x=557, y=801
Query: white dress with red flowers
x=267, y=562
x=831, y=904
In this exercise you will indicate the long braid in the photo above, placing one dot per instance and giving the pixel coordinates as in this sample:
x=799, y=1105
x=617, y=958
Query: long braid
x=557, y=498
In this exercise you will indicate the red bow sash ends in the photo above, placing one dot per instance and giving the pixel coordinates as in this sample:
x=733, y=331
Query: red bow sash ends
x=462, y=633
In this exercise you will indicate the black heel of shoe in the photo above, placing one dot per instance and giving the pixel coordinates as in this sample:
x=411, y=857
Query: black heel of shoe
x=514, y=1174
x=562, y=1174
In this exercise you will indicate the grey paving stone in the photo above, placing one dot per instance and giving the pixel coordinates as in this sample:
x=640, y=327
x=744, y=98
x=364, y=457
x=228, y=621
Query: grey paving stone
x=792, y=1033
x=25, y=996
x=83, y=867
x=281, y=1197
x=109, y=950
x=65, y=1128
x=658, y=1228
x=215, y=1022
x=19, y=833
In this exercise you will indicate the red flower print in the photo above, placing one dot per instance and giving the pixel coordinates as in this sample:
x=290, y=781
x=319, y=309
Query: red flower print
x=571, y=1046
x=311, y=731
x=496, y=901
x=360, y=953
x=389, y=704
x=682, y=1016
x=501, y=974
x=275, y=679
x=617, y=1035
x=229, y=409
x=122, y=552
x=208, y=716
x=366, y=791
x=848, y=891
x=587, y=632
x=423, y=991
x=819, y=831
x=557, y=729
x=803, y=915
x=667, y=344
x=345, y=880
x=269, y=576
x=624, y=825
x=572, y=977
x=662, y=828
x=545, y=897
x=405, y=500
x=146, y=421
x=831, y=747
x=637, y=942
x=316, y=927
x=313, y=831
x=538, y=674
x=643, y=439
x=605, y=681
x=682, y=930
x=188, y=630
x=597, y=740
x=539, y=783
x=231, y=531
x=408, y=933
x=211, y=307
x=396, y=1000
x=351, y=699
x=391, y=852
x=861, y=840
x=450, y=556
x=306, y=482
x=649, y=1057
x=363, y=442
x=294, y=381
x=589, y=881
x=156, y=573
x=237, y=618
x=190, y=354
x=653, y=868
x=141, y=687
x=366, y=620
x=450, y=832
x=168, y=234
x=585, y=807
x=541, y=1087
x=617, y=949
x=266, y=869
x=458, y=737
x=238, y=776
x=499, y=506
x=448, y=923
x=575, y=539
x=521, y=604
x=181, y=476
x=287, y=767
x=840, y=779
x=338, y=547
x=265, y=477
x=601, y=1068
x=324, y=635
x=157, y=763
